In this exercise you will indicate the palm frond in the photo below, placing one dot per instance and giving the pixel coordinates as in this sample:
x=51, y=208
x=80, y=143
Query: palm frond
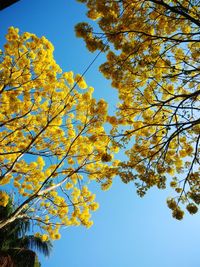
x=14, y=235
x=21, y=227
x=35, y=243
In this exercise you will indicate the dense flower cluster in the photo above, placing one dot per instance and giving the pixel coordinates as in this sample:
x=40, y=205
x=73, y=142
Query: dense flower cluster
x=153, y=50
x=52, y=137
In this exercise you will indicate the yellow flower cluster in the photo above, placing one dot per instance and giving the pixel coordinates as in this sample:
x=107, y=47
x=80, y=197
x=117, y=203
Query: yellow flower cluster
x=153, y=62
x=4, y=198
x=51, y=132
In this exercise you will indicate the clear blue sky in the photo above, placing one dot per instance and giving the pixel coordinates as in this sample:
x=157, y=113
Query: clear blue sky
x=128, y=231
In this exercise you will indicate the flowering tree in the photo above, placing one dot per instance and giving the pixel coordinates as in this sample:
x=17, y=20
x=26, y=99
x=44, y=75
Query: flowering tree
x=52, y=139
x=153, y=55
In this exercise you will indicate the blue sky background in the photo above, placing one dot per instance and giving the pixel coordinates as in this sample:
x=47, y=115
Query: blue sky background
x=128, y=231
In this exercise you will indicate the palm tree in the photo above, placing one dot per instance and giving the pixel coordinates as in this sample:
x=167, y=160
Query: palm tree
x=17, y=248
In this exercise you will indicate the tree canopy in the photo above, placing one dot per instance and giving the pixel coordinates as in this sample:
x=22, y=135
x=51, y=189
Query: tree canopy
x=52, y=138
x=152, y=53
